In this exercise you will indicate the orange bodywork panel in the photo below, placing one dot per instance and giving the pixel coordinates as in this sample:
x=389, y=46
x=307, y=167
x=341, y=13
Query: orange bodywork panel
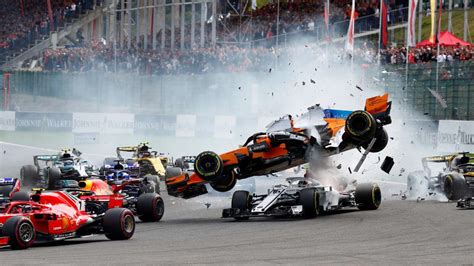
x=377, y=104
x=230, y=159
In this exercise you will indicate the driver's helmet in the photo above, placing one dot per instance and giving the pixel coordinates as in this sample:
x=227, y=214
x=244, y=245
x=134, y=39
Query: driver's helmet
x=144, y=151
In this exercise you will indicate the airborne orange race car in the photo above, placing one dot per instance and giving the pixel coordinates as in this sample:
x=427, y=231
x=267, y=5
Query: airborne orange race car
x=287, y=143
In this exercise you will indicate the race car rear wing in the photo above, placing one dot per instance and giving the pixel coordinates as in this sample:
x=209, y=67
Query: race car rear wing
x=379, y=107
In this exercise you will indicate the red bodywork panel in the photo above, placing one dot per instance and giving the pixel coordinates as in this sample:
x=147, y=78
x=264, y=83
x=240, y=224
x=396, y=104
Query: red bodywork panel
x=102, y=192
x=55, y=213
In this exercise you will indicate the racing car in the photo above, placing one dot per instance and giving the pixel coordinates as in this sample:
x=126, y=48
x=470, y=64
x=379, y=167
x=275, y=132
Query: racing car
x=58, y=215
x=455, y=179
x=120, y=172
x=131, y=194
x=302, y=197
x=287, y=143
x=143, y=161
x=48, y=170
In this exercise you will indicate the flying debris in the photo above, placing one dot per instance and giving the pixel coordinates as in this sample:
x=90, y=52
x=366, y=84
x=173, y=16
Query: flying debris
x=240, y=88
x=304, y=83
x=270, y=70
x=439, y=98
x=207, y=204
x=359, y=88
x=312, y=81
x=339, y=166
x=387, y=164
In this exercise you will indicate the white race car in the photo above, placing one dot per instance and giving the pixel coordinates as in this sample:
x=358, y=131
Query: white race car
x=302, y=197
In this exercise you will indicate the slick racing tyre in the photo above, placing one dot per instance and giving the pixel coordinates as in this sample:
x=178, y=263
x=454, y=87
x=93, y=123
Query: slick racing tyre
x=208, y=166
x=455, y=186
x=380, y=142
x=29, y=176
x=309, y=199
x=242, y=201
x=361, y=126
x=20, y=231
x=119, y=224
x=172, y=172
x=368, y=196
x=150, y=207
x=225, y=183
x=181, y=164
x=21, y=196
x=53, y=178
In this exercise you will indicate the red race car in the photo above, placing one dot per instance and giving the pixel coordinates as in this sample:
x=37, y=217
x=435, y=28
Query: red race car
x=58, y=215
x=149, y=207
x=287, y=143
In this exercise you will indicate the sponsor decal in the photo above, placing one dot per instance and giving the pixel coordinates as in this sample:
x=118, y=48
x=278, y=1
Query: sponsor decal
x=113, y=123
x=43, y=121
x=163, y=125
x=455, y=136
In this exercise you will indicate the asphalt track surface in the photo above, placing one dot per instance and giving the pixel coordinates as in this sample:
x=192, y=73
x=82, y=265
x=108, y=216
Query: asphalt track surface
x=400, y=232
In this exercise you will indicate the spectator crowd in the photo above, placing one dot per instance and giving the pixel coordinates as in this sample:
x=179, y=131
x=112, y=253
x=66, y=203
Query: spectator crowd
x=24, y=21
x=295, y=16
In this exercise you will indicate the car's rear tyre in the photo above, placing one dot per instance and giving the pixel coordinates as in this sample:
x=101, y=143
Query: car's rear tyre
x=119, y=224
x=225, y=183
x=21, y=196
x=208, y=166
x=361, y=126
x=380, y=142
x=20, y=232
x=29, y=176
x=368, y=196
x=309, y=199
x=181, y=163
x=172, y=172
x=53, y=177
x=150, y=207
x=455, y=186
x=241, y=200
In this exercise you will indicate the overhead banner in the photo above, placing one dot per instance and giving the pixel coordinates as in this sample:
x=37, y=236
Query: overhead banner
x=456, y=136
x=7, y=121
x=30, y=121
x=162, y=125
x=113, y=123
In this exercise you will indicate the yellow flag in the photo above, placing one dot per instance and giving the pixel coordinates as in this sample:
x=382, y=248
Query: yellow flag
x=433, y=14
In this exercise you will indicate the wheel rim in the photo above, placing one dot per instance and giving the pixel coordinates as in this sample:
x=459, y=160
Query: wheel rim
x=26, y=232
x=129, y=223
x=159, y=207
x=208, y=164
